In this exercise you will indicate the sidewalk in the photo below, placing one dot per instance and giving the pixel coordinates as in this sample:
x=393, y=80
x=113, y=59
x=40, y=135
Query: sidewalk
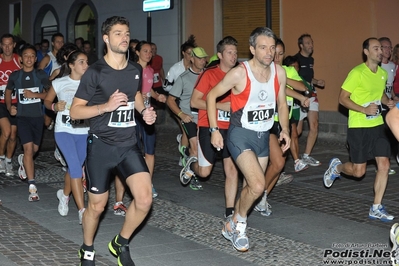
x=184, y=226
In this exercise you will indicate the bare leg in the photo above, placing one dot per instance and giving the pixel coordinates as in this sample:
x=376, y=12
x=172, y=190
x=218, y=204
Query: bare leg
x=276, y=164
x=294, y=147
x=29, y=151
x=5, y=128
x=313, y=119
x=12, y=142
x=254, y=174
x=119, y=189
x=140, y=186
x=381, y=178
x=150, y=161
x=91, y=217
x=231, y=183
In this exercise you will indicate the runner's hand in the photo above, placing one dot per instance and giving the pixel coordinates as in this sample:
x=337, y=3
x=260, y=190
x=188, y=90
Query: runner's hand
x=149, y=116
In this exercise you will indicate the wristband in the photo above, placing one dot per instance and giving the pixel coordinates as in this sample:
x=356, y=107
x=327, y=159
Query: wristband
x=142, y=112
x=179, y=113
x=52, y=107
x=98, y=109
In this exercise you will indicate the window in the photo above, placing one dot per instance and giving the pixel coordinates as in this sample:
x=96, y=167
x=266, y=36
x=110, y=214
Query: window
x=241, y=17
x=15, y=24
x=85, y=25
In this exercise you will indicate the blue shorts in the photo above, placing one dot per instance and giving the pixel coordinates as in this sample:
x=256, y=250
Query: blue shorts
x=240, y=140
x=146, y=135
x=73, y=148
x=105, y=161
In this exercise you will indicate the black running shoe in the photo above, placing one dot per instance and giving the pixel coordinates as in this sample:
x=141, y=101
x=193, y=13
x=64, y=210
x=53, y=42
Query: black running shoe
x=121, y=252
x=86, y=257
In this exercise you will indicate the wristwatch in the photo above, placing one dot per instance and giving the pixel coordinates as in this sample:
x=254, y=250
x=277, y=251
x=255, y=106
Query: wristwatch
x=213, y=129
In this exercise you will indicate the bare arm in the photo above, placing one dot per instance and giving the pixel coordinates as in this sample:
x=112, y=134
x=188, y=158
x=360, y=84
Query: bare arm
x=48, y=101
x=196, y=100
x=162, y=74
x=80, y=110
x=233, y=79
x=297, y=85
x=303, y=99
x=44, y=62
x=344, y=100
x=7, y=98
x=283, y=109
x=388, y=102
x=392, y=120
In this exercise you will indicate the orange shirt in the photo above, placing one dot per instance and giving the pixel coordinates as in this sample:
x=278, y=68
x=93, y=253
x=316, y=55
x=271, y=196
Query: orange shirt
x=205, y=82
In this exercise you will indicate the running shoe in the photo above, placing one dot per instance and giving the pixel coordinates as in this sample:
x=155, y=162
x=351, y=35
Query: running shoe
x=195, y=184
x=58, y=157
x=2, y=165
x=390, y=172
x=63, y=203
x=178, y=139
x=80, y=214
x=284, y=179
x=21, y=169
x=263, y=207
x=331, y=174
x=310, y=161
x=122, y=252
x=300, y=165
x=86, y=257
x=120, y=209
x=9, y=169
x=186, y=173
x=33, y=195
x=154, y=193
x=394, y=236
x=380, y=214
x=237, y=234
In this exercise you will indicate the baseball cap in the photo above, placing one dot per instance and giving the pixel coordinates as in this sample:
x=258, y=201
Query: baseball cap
x=199, y=52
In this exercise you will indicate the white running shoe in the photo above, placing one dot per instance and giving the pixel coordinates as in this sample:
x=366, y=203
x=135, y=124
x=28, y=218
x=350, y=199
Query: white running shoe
x=9, y=169
x=300, y=165
x=58, y=156
x=80, y=212
x=63, y=203
x=284, y=179
x=21, y=169
x=237, y=235
x=310, y=161
x=2, y=165
x=33, y=195
x=394, y=236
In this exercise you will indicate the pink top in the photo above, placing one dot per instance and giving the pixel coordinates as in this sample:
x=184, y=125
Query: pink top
x=148, y=80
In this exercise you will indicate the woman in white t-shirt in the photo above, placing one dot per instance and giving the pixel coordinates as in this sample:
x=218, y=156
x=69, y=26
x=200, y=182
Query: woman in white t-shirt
x=70, y=135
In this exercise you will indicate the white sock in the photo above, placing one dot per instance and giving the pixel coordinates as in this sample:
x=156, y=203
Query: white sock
x=240, y=219
x=376, y=206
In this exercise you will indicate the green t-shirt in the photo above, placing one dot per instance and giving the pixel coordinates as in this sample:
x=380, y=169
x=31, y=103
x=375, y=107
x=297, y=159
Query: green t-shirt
x=365, y=87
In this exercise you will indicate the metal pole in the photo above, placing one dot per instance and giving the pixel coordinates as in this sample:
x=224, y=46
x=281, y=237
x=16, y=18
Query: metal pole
x=149, y=27
x=269, y=14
